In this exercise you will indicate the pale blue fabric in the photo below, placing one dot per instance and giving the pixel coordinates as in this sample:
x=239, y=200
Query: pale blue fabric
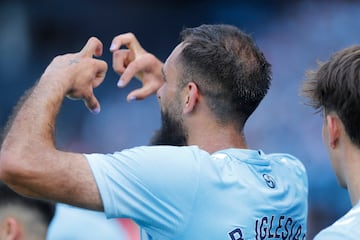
x=72, y=223
x=186, y=193
x=347, y=227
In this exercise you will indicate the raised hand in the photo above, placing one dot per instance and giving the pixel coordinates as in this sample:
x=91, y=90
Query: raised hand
x=134, y=61
x=77, y=74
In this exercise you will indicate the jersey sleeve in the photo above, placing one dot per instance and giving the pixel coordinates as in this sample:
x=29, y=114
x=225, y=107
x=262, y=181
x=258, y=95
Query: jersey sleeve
x=151, y=185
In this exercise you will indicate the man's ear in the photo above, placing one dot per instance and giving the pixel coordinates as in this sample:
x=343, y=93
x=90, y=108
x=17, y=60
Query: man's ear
x=333, y=129
x=191, y=97
x=10, y=229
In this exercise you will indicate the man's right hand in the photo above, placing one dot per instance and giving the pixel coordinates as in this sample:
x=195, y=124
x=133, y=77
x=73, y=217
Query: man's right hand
x=77, y=74
x=134, y=61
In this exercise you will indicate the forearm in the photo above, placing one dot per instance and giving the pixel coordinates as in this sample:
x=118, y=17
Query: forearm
x=34, y=117
x=30, y=134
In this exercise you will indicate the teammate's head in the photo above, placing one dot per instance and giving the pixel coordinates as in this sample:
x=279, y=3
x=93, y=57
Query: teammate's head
x=335, y=88
x=228, y=69
x=21, y=217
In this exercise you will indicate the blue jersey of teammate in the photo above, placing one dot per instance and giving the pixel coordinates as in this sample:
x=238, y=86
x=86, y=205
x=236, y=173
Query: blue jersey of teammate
x=187, y=193
x=79, y=224
x=347, y=227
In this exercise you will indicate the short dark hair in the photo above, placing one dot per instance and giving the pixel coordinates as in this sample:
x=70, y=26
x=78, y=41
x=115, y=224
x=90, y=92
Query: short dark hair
x=10, y=198
x=335, y=87
x=229, y=69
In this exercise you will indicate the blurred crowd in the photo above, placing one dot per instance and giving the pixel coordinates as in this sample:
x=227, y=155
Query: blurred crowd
x=294, y=35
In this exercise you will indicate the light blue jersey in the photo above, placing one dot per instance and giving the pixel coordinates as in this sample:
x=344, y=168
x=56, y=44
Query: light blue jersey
x=72, y=223
x=187, y=193
x=347, y=227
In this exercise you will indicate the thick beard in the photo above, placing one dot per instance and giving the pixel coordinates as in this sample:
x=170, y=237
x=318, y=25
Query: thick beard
x=172, y=132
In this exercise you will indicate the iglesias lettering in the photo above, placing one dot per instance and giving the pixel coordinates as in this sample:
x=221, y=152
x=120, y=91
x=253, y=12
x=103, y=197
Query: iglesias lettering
x=273, y=227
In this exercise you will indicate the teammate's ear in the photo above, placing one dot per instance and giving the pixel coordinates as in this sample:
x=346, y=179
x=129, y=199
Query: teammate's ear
x=10, y=229
x=191, y=97
x=333, y=128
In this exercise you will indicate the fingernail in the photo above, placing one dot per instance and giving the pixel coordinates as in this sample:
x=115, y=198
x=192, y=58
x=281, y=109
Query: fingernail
x=120, y=83
x=96, y=110
x=132, y=98
x=112, y=47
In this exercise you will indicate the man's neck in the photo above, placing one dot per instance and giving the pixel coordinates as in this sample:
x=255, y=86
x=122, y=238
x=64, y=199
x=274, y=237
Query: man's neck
x=212, y=139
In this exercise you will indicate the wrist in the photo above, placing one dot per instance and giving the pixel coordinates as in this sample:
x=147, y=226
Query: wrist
x=53, y=84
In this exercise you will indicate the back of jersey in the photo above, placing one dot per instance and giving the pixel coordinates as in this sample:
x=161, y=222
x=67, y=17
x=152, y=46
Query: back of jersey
x=250, y=195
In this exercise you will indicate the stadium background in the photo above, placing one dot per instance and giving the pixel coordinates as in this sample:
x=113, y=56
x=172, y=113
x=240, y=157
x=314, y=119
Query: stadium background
x=292, y=34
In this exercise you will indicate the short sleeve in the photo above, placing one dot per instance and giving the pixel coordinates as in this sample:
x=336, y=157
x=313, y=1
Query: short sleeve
x=152, y=185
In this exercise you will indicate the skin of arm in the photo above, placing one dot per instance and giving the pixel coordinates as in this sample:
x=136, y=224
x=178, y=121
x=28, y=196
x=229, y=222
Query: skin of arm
x=30, y=163
x=29, y=160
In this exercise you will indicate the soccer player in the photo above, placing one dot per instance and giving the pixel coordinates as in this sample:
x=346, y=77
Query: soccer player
x=334, y=90
x=201, y=181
